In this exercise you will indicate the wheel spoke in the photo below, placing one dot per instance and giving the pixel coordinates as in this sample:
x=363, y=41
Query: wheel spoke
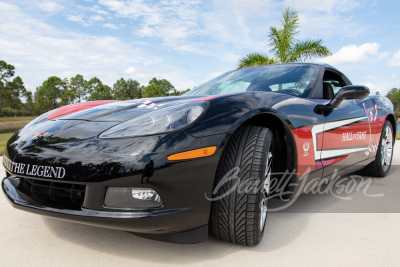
x=388, y=156
x=386, y=148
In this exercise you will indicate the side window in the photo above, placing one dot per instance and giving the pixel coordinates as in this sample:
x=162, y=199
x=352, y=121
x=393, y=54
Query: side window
x=336, y=85
x=332, y=83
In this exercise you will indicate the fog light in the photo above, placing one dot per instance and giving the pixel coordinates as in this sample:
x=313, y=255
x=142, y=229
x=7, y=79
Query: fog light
x=132, y=198
x=145, y=194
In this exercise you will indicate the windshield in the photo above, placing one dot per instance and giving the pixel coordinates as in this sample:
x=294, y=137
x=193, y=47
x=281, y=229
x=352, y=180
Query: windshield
x=292, y=79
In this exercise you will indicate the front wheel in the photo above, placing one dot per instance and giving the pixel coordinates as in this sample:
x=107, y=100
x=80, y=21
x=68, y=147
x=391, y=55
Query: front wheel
x=381, y=165
x=239, y=208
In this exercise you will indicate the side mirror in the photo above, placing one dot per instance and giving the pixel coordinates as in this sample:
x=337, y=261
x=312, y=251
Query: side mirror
x=349, y=92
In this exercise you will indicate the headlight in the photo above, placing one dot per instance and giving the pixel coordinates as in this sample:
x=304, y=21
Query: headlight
x=161, y=121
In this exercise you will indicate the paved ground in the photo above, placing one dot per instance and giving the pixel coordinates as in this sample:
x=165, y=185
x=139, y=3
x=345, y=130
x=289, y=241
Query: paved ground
x=311, y=232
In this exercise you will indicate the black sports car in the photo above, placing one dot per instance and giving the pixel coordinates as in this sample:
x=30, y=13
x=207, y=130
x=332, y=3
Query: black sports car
x=168, y=168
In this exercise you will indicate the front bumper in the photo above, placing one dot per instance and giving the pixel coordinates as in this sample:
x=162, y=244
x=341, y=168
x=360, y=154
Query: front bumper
x=97, y=164
x=142, y=223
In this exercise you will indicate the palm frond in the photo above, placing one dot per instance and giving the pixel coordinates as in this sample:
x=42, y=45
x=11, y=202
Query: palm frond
x=306, y=50
x=277, y=43
x=255, y=59
x=282, y=41
x=290, y=23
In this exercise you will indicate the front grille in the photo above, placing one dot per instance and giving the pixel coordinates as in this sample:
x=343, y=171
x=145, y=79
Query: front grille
x=64, y=194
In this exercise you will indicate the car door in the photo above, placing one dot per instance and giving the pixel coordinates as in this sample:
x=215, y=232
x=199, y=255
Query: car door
x=349, y=135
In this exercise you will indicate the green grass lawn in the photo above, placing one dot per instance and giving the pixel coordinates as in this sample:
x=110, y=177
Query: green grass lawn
x=3, y=141
x=9, y=126
x=398, y=136
x=16, y=118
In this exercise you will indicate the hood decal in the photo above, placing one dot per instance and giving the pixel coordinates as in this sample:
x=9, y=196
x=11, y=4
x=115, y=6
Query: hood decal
x=66, y=110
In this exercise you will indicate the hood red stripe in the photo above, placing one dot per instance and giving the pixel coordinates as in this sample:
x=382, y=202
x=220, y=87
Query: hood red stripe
x=77, y=107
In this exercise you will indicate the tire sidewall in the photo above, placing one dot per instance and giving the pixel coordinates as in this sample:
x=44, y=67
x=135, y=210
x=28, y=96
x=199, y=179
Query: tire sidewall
x=269, y=145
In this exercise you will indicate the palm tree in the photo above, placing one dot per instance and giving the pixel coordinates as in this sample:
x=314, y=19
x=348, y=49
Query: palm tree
x=256, y=59
x=284, y=45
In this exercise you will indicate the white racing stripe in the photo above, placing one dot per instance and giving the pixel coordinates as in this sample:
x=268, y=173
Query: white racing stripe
x=339, y=152
x=320, y=128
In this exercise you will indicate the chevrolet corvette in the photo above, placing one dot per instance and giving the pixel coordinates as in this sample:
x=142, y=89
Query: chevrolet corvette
x=165, y=168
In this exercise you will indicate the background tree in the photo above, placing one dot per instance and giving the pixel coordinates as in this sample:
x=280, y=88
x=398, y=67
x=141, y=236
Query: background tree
x=185, y=91
x=98, y=90
x=55, y=92
x=78, y=87
x=6, y=72
x=13, y=92
x=68, y=95
x=394, y=96
x=127, y=89
x=285, y=46
x=178, y=93
x=29, y=101
x=158, y=88
x=48, y=95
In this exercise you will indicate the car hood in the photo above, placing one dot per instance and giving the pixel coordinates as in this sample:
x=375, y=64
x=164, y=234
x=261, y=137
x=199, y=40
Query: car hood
x=116, y=111
x=84, y=121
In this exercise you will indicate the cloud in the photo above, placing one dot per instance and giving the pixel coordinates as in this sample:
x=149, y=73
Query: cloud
x=381, y=84
x=182, y=27
x=40, y=50
x=96, y=18
x=377, y=88
x=87, y=20
x=172, y=21
x=322, y=25
x=76, y=18
x=330, y=18
x=353, y=54
x=50, y=6
x=45, y=51
x=325, y=5
x=129, y=70
x=111, y=26
x=383, y=55
x=395, y=60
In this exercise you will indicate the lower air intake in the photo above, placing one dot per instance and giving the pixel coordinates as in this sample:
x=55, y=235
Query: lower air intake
x=67, y=195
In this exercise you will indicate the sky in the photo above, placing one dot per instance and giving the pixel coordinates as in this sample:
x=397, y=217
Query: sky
x=191, y=41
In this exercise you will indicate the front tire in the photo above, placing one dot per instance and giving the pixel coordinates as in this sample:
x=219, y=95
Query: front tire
x=239, y=215
x=383, y=160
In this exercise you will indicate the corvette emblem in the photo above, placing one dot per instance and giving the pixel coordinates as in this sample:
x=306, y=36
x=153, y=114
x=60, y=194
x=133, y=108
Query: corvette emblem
x=306, y=147
x=39, y=136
